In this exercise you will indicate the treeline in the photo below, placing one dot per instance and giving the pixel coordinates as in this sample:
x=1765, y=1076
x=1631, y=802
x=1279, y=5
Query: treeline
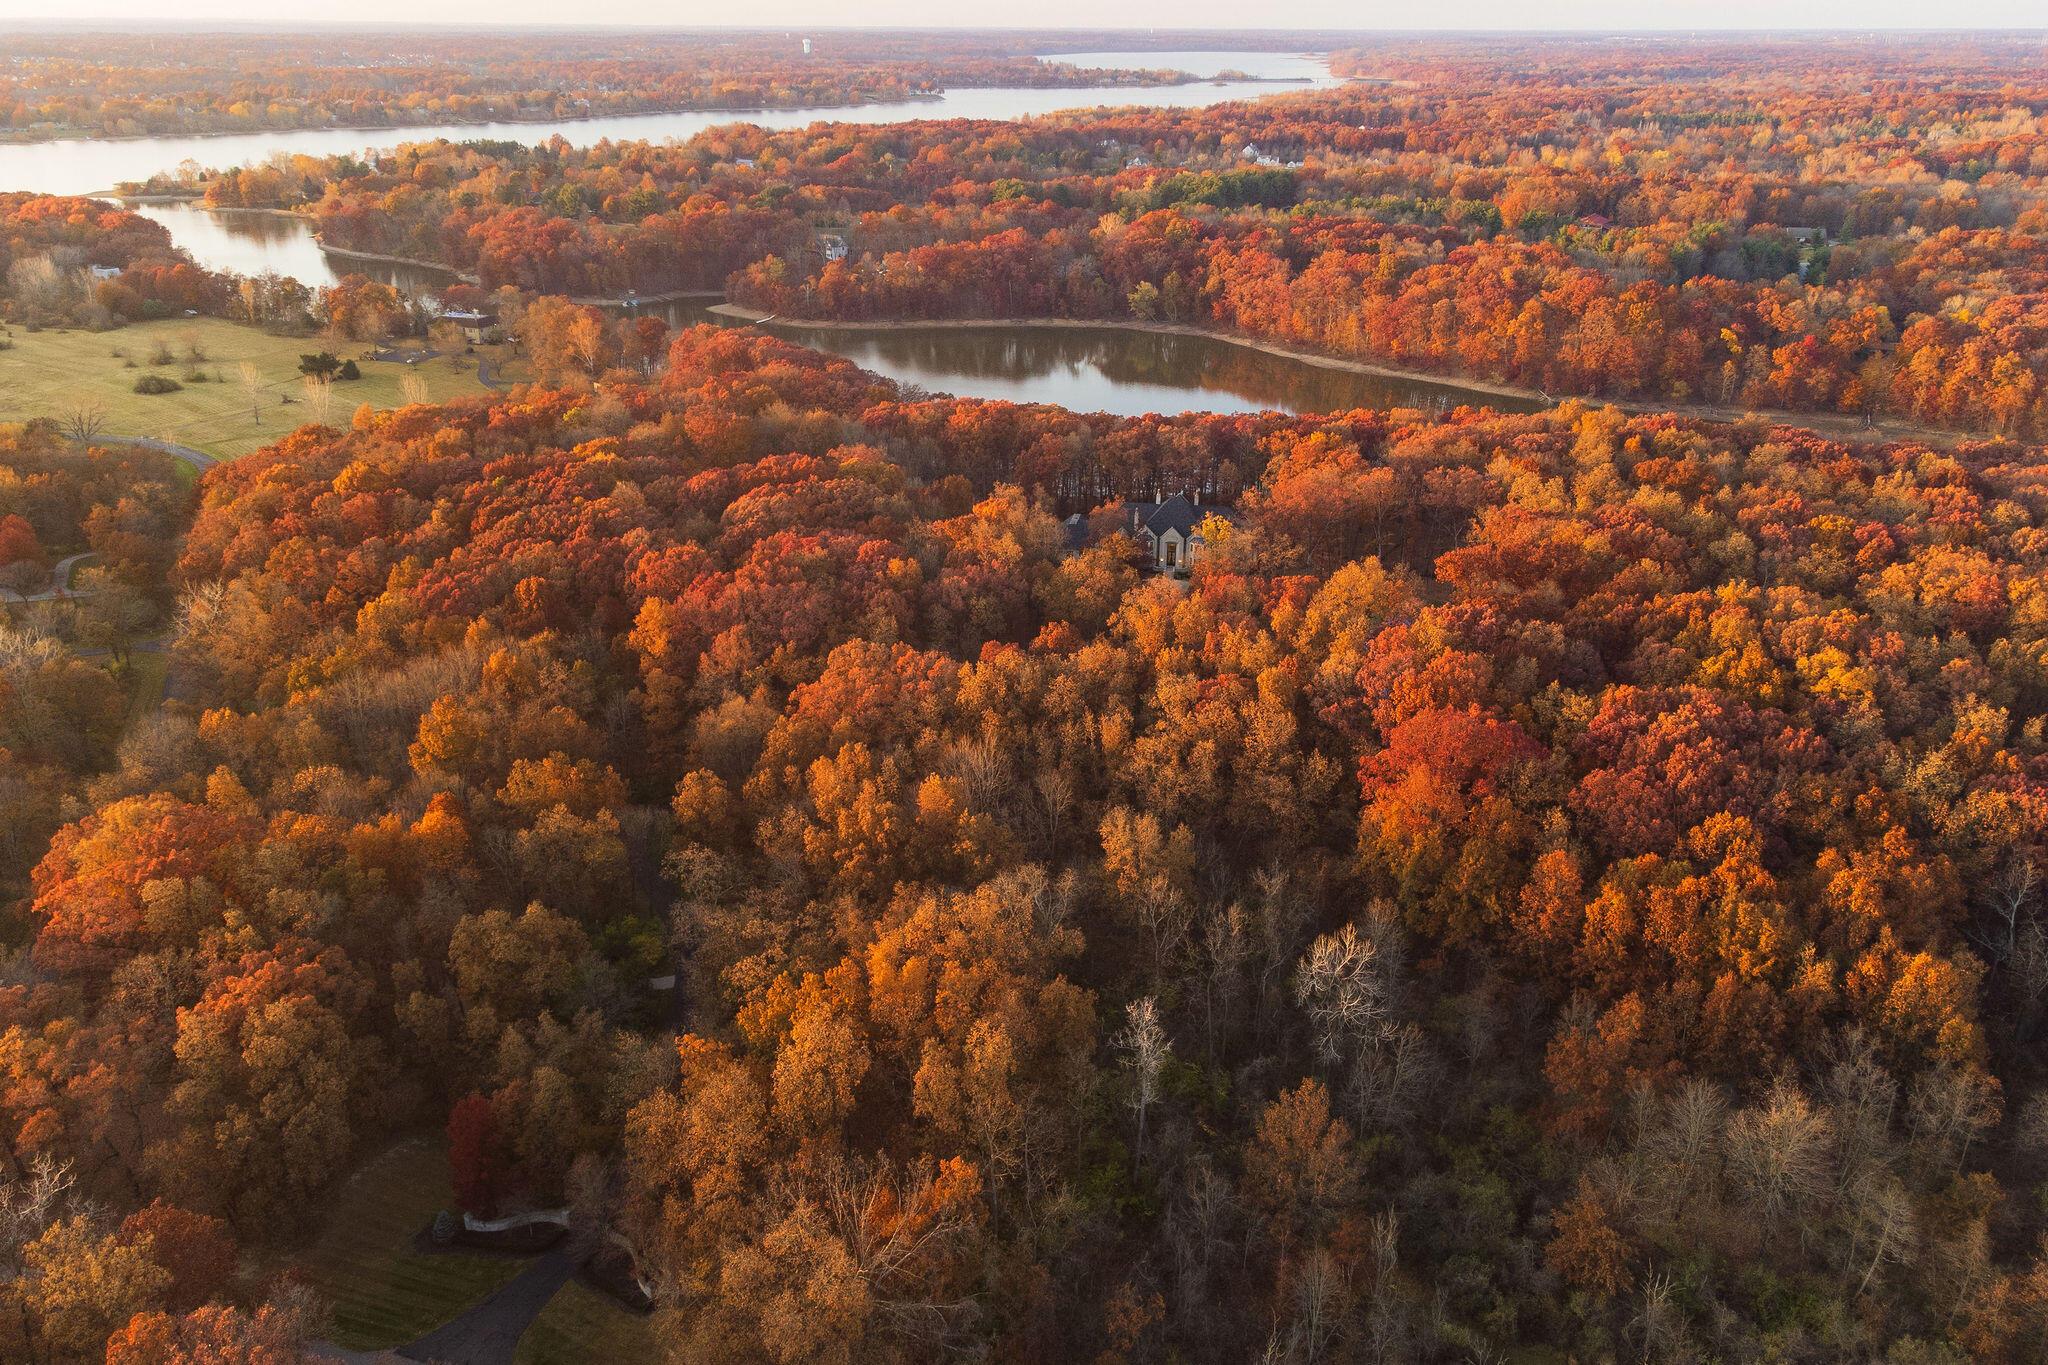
x=70, y=84
x=61, y=713
x=1601, y=220
x=84, y=262
x=1562, y=881
x=73, y=262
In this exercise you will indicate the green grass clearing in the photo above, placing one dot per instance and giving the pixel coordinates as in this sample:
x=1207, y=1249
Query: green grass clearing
x=50, y=373
x=581, y=1326
x=384, y=1292
x=144, y=674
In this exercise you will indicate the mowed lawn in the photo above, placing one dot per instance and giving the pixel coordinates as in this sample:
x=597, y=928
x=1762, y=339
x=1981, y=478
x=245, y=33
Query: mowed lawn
x=145, y=674
x=584, y=1326
x=50, y=373
x=385, y=1292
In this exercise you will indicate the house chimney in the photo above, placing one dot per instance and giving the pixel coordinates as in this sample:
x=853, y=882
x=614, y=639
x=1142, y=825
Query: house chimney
x=1198, y=497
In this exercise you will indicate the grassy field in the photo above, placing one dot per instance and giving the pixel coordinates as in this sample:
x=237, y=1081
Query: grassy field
x=584, y=1327
x=49, y=373
x=144, y=674
x=384, y=1292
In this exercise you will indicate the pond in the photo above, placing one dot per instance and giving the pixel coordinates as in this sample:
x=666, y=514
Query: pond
x=1116, y=370
x=95, y=165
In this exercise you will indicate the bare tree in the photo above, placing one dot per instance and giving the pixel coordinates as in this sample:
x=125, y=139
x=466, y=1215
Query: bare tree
x=252, y=384
x=1863, y=1099
x=413, y=385
x=1321, y=1288
x=29, y=1203
x=1948, y=1109
x=1659, y=1322
x=1146, y=1051
x=1054, y=789
x=39, y=282
x=1882, y=1220
x=1198, y=1223
x=1778, y=1155
x=1392, y=1075
x=1282, y=920
x=1226, y=948
x=85, y=420
x=894, y=1225
x=319, y=396
x=1339, y=985
x=111, y=613
x=2008, y=904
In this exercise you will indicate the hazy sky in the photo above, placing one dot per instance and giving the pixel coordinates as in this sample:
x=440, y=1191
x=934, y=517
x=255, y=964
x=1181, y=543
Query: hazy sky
x=1482, y=14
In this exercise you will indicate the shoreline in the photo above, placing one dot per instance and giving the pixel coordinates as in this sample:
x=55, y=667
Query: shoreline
x=1837, y=425
x=439, y=268
x=743, y=313
x=652, y=111
x=416, y=263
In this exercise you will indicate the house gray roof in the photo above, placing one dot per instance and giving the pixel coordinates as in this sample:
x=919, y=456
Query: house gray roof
x=1177, y=513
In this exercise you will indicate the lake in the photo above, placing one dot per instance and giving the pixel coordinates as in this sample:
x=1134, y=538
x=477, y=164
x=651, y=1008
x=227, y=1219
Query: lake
x=87, y=167
x=1087, y=369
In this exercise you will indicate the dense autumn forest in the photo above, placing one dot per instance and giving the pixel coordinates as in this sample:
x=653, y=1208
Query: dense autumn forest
x=1818, y=226
x=1558, y=879
x=72, y=84
x=1550, y=887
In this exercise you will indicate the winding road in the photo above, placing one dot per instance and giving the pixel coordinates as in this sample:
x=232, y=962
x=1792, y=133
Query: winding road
x=60, y=576
x=60, y=582
x=198, y=459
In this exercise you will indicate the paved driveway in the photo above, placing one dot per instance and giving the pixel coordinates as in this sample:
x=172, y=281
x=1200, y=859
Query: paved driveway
x=489, y=1333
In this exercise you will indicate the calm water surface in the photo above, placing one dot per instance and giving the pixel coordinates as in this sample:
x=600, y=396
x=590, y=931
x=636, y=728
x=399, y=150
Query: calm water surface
x=84, y=167
x=1132, y=373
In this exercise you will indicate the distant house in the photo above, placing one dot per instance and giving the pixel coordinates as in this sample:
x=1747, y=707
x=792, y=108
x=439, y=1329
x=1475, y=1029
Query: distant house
x=478, y=329
x=833, y=246
x=1170, y=529
x=105, y=272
